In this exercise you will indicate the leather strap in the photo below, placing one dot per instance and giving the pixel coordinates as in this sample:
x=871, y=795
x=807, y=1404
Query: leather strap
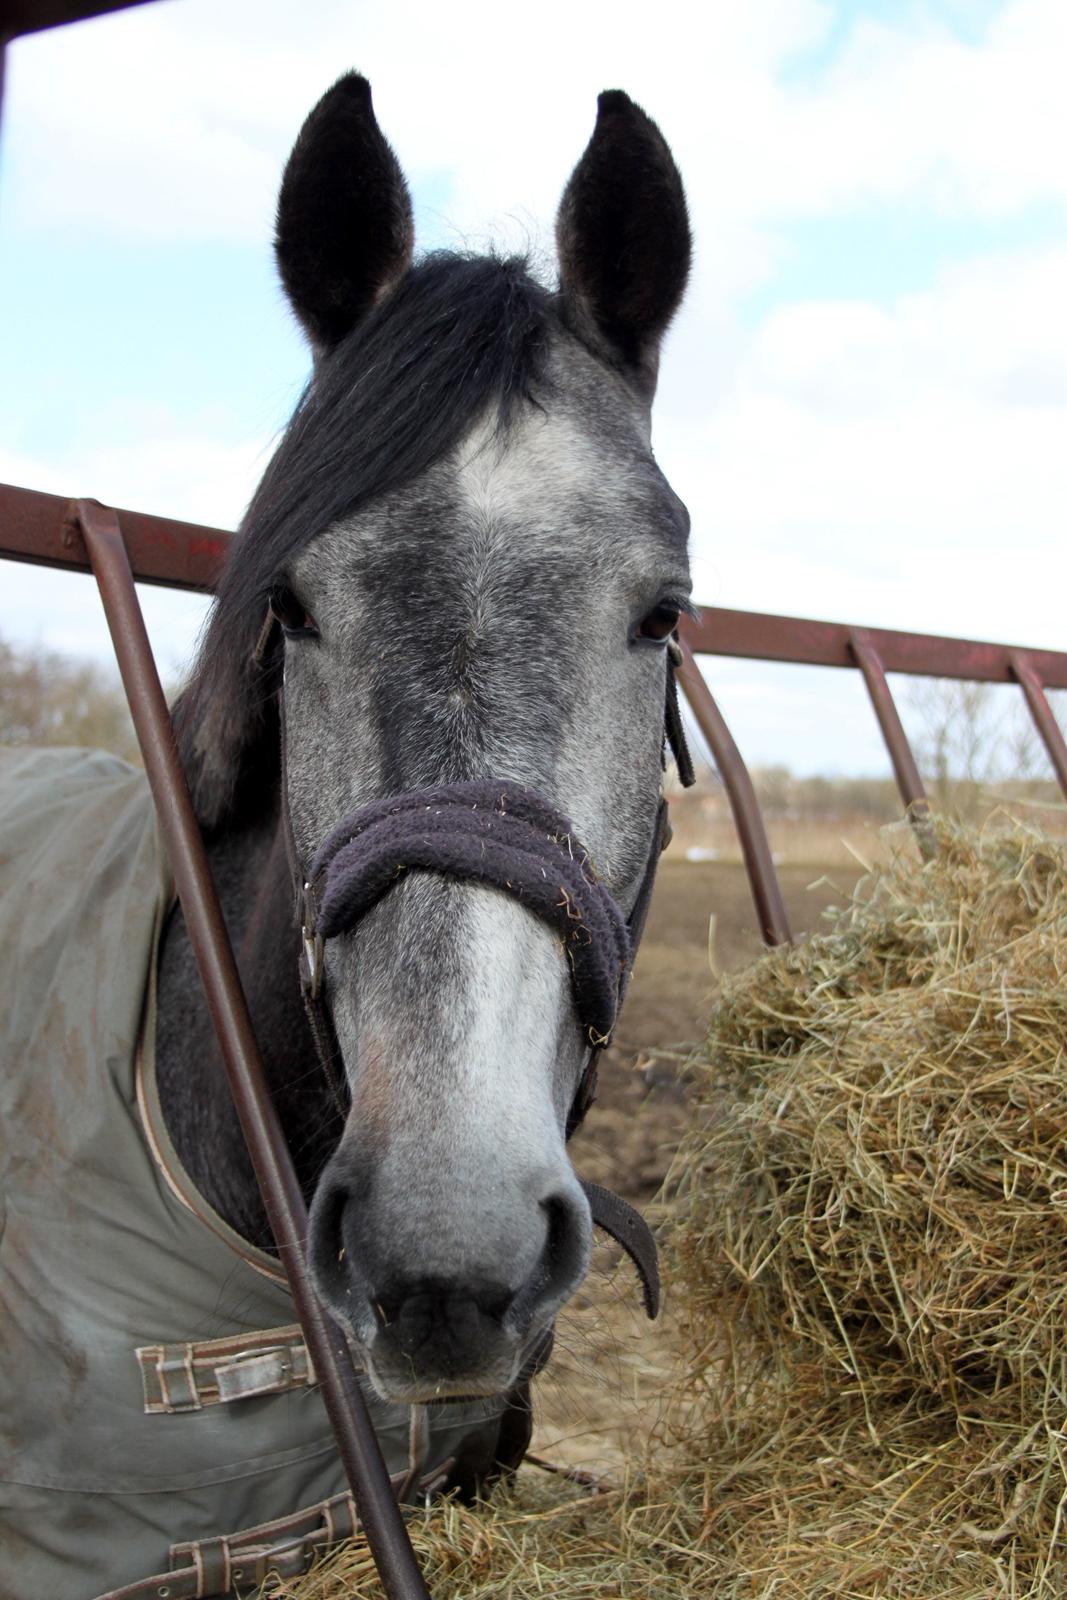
x=635, y=923
x=629, y=1229
x=209, y=1372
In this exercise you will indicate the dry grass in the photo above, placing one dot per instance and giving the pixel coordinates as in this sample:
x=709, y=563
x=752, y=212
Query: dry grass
x=877, y=1220
x=543, y=1539
x=870, y=1265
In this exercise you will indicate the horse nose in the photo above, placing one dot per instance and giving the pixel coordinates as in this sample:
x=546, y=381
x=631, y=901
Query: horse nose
x=442, y=1326
x=423, y=1312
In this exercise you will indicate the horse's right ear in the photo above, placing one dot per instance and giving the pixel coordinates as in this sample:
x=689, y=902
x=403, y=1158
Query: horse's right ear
x=344, y=232
x=623, y=238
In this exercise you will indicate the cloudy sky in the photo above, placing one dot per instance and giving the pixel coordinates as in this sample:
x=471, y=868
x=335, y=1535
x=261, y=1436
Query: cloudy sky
x=864, y=402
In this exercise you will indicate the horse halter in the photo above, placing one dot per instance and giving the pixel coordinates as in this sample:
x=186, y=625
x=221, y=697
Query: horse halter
x=501, y=833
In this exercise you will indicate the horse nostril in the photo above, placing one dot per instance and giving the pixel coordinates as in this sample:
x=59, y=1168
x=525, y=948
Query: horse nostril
x=326, y=1242
x=334, y=1245
x=439, y=1296
x=564, y=1257
x=557, y=1214
x=569, y=1235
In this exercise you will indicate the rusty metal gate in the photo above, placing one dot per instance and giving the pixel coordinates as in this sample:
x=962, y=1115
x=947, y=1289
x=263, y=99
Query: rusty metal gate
x=120, y=547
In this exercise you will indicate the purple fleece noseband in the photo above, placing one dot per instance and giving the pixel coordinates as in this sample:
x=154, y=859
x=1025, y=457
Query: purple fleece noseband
x=490, y=831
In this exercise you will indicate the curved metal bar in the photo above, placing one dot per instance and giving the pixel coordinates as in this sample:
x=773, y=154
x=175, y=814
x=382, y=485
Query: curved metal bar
x=905, y=769
x=748, y=819
x=1042, y=713
x=357, y=1442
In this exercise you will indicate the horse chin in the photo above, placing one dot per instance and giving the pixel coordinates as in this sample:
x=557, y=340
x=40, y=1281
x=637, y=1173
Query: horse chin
x=399, y=1385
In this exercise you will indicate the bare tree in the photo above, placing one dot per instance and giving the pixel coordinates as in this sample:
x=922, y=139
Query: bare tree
x=965, y=745
x=49, y=699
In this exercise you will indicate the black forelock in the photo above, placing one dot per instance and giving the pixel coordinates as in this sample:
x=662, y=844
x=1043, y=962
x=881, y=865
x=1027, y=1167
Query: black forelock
x=457, y=336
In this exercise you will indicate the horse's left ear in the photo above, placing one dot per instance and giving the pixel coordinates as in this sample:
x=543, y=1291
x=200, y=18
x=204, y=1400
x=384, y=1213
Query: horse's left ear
x=623, y=238
x=344, y=233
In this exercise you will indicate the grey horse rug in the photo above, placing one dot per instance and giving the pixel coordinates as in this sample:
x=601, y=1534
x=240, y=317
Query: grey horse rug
x=161, y=1433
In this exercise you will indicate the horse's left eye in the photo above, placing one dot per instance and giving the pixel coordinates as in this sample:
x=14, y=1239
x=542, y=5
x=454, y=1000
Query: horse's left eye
x=296, y=621
x=659, y=624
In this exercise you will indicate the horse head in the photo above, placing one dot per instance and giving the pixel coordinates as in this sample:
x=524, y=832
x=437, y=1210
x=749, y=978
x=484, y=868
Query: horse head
x=473, y=566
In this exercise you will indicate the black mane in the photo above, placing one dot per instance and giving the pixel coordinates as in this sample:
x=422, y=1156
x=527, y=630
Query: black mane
x=458, y=335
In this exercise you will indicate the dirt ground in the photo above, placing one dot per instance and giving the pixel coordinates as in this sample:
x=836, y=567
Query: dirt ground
x=604, y=1390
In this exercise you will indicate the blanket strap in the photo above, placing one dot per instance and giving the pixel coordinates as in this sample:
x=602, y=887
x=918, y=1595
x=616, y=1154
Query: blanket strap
x=208, y=1372
x=205, y=1569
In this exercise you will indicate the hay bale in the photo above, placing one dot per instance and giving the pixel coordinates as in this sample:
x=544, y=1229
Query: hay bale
x=875, y=1250
x=870, y=1264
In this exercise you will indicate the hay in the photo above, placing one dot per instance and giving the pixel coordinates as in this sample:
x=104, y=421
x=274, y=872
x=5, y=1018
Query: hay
x=877, y=1223
x=541, y=1539
x=870, y=1265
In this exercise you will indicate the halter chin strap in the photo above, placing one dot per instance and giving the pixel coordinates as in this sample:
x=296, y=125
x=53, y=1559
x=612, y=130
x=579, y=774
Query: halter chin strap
x=498, y=832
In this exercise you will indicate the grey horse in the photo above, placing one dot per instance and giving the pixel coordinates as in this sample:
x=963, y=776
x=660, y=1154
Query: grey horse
x=475, y=564
x=440, y=660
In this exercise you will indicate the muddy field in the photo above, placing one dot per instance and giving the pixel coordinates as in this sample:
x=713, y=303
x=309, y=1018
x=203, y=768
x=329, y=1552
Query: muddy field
x=604, y=1391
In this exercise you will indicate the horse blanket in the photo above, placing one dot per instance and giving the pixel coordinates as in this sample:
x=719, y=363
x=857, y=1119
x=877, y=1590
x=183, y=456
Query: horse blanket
x=160, y=1428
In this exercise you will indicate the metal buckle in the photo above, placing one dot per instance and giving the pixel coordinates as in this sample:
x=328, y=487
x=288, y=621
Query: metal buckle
x=314, y=957
x=268, y=1370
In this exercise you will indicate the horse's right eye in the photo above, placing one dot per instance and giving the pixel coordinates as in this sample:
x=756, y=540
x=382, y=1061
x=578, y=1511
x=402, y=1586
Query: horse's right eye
x=296, y=621
x=659, y=624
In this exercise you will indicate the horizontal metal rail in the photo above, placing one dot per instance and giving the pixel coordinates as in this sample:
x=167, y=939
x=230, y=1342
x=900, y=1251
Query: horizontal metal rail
x=804, y=642
x=185, y=555
x=42, y=528
x=18, y=17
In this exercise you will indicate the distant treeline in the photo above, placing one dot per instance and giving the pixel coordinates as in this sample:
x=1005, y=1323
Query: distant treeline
x=975, y=750
x=786, y=797
x=49, y=699
x=783, y=794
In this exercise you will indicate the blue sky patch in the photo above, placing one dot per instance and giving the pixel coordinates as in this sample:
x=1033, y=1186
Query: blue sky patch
x=966, y=20
x=886, y=252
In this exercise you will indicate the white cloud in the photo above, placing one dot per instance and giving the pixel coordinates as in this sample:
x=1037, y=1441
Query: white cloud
x=901, y=467
x=917, y=111
x=174, y=119
x=166, y=463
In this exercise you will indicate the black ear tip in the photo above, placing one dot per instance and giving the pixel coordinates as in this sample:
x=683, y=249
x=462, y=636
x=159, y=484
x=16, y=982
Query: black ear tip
x=343, y=231
x=614, y=100
x=616, y=105
x=351, y=90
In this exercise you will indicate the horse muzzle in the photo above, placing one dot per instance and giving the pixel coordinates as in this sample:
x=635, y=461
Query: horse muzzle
x=454, y=1305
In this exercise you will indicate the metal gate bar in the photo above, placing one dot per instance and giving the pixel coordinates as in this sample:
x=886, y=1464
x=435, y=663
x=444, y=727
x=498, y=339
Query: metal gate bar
x=760, y=636
x=748, y=818
x=905, y=767
x=353, y=1430
x=1022, y=665
x=43, y=529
